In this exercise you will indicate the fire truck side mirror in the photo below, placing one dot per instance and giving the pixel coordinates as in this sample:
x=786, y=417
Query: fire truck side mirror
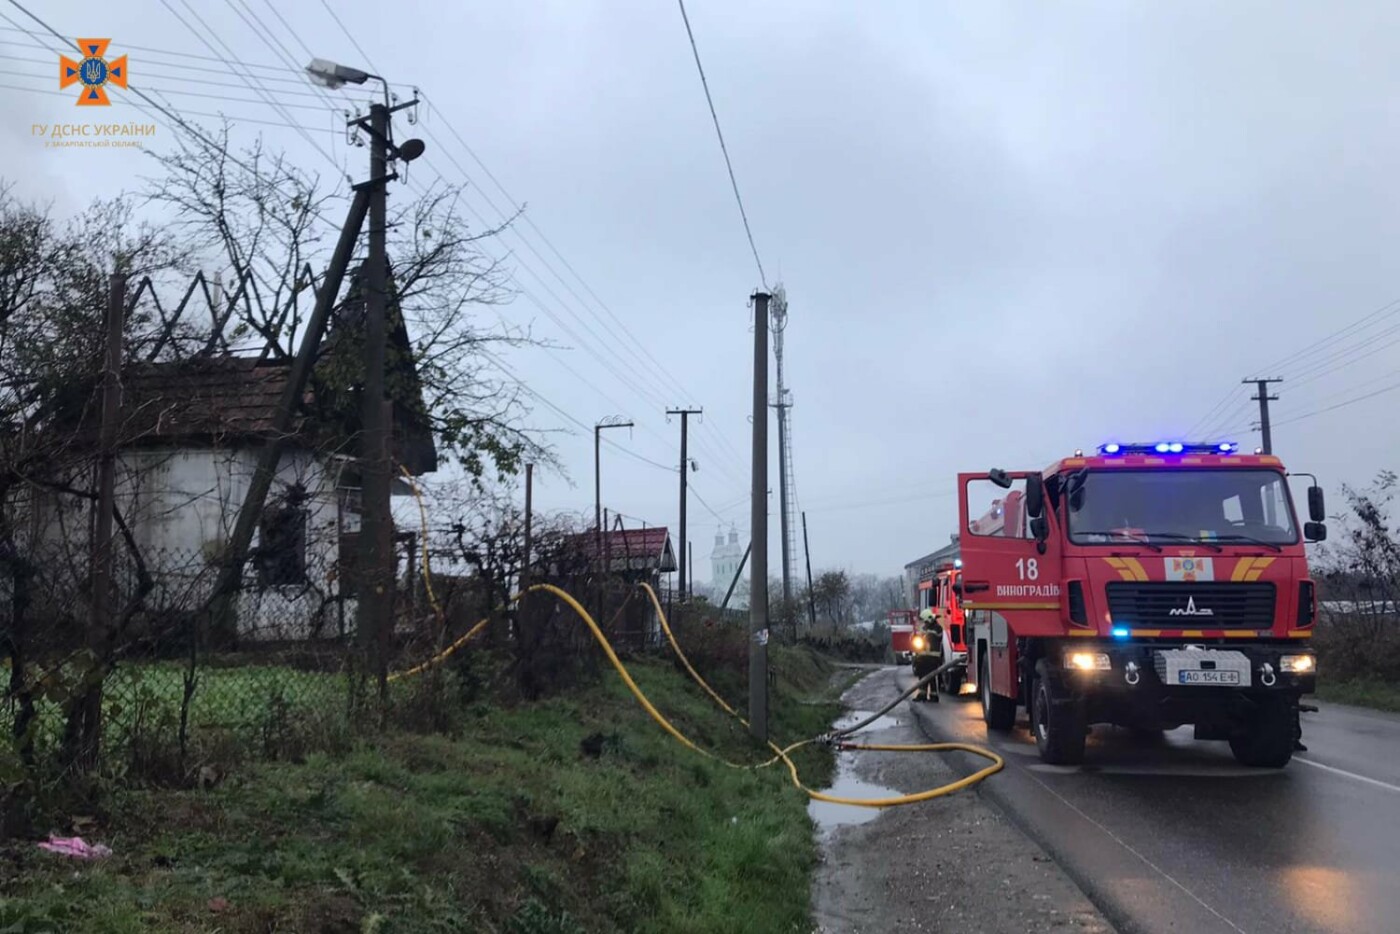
x=1315, y=531
x=1035, y=496
x=1317, y=509
x=999, y=477
x=1040, y=529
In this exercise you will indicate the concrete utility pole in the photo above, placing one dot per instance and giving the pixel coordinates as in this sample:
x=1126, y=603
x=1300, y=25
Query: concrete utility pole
x=758, y=526
x=612, y=421
x=88, y=740
x=1263, y=398
x=807, y=553
x=779, y=326
x=738, y=573
x=529, y=514
x=236, y=554
x=685, y=462
x=375, y=592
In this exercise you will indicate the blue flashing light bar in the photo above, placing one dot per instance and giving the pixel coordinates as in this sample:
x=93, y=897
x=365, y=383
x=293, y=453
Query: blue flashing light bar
x=1170, y=447
x=1120, y=632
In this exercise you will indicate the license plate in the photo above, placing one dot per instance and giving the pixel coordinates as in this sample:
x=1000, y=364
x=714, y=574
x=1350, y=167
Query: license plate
x=1208, y=677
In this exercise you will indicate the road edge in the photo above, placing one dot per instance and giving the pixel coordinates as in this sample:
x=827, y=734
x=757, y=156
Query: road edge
x=990, y=793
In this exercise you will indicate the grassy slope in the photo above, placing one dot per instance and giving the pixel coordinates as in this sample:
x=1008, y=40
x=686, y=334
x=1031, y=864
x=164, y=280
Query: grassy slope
x=1378, y=695
x=508, y=827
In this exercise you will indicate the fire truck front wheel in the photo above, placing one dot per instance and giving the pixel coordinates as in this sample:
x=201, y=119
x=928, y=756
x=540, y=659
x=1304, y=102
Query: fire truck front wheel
x=1267, y=741
x=1057, y=721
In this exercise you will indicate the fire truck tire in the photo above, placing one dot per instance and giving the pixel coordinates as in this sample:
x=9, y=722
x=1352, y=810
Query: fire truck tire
x=1268, y=740
x=1059, y=728
x=951, y=682
x=998, y=712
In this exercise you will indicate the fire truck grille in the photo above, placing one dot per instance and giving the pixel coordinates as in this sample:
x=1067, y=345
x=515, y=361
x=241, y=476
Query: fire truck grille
x=1186, y=605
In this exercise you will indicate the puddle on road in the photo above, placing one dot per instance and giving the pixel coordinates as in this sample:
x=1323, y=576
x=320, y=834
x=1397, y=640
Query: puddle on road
x=853, y=717
x=827, y=815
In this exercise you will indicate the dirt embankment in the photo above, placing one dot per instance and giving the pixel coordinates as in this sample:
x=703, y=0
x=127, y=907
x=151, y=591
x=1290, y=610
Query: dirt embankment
x=950, y=864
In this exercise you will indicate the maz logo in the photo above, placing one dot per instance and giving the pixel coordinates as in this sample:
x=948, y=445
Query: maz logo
x=1191, y=610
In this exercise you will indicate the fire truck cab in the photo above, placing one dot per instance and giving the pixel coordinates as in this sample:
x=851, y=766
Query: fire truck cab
x=1149, y=586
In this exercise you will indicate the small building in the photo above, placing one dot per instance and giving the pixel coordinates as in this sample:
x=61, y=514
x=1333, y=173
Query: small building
x=924, y=568
x=190, y=436
x=622, y=558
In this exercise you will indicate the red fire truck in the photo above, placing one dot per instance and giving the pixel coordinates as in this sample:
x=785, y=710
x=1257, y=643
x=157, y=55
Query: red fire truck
x=1147, y=585
x=903, y=629
x=938, y=600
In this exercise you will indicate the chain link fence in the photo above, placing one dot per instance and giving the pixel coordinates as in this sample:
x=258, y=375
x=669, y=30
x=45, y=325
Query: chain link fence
x=176, y=707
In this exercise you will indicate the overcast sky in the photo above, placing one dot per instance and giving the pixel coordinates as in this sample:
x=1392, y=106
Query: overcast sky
x=1006, y=230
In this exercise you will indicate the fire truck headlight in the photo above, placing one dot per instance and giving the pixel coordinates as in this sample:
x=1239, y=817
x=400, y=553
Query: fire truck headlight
x=1298, y=664
x=1088, y=661
x=920, y=643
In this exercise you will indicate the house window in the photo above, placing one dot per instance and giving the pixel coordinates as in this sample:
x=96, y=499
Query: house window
x=282, y=542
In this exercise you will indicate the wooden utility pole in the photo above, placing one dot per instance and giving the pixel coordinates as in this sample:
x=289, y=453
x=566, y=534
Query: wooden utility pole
x=685, y=463
x=758, y=527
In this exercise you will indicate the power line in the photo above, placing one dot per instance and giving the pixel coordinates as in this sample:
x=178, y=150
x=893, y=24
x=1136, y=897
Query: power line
x=175, y=91
x=1384, y=311
x=169, y=113
x=645, y=360
x=191, y=113
x=662, y=373
x=175, y=53
x=1287, y=413
x=734, y=182
x=246, y=75
x=1339, y=405
x=892, y=501
x=1316, y=368
x=1204, y=420
x=349, y=35
x=708, y=508
x=501, y=365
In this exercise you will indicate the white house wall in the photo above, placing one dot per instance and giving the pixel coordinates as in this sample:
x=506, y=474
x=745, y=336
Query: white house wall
x=181, y=505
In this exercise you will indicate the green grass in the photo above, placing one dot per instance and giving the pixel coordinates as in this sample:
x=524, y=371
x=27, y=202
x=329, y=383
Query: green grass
x=1361, y=692
x=507, y=826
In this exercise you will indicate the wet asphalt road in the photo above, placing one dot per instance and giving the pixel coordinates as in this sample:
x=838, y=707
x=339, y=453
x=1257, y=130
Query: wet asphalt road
x=1178, y=837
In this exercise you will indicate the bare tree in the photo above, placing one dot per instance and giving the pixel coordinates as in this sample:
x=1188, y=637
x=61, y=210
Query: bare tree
x=270, y=223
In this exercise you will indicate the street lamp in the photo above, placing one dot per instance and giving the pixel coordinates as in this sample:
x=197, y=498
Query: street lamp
x=332, y=75
x=328, y=74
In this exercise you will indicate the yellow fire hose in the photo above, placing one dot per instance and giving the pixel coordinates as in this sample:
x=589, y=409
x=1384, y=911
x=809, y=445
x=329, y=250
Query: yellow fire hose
x=781, y=754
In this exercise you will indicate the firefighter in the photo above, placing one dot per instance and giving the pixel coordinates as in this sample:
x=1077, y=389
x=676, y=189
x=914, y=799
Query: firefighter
x=928, y=657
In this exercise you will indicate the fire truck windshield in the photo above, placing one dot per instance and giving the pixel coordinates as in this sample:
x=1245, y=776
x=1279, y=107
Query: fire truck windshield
x=1180, y=505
